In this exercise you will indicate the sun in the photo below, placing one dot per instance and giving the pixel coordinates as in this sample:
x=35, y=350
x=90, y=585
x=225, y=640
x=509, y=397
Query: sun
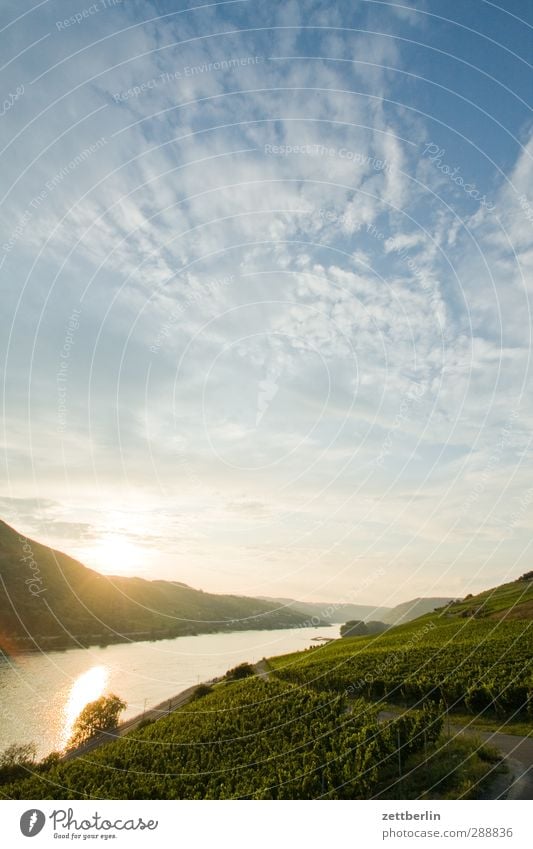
x=115, y=554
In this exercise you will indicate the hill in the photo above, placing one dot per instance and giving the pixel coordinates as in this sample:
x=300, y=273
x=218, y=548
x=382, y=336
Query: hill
x=50, y=600
x=508, y=601
x=409, y=610
x=340, y=612
x=334, y=612
x=473, y=655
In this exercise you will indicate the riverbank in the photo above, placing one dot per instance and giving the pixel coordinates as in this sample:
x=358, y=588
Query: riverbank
x=12, y=646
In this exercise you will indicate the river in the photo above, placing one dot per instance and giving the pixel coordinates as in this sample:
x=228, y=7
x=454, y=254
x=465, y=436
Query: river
x=42, y=694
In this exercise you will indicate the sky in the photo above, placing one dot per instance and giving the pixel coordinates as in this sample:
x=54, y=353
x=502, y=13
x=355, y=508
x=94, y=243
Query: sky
x=265, y=279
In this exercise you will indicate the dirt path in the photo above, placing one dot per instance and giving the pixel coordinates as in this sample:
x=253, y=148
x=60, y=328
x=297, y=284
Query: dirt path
x=517, y=752
x=262, y=670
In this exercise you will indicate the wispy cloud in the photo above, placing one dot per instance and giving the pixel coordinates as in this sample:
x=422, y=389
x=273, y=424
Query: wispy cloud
x=236, y=201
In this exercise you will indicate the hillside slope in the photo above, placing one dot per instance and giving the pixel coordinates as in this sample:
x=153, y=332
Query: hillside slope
x=333, y=612
x=49, y=599
x=409, y=610
x=340, y=612
x=513, y=600
x=474, y=656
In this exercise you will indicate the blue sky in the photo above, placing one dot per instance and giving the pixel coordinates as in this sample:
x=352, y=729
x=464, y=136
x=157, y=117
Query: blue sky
x=265, y=280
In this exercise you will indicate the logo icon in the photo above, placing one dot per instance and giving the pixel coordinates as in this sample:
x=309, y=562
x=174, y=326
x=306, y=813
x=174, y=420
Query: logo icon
x=32, y=822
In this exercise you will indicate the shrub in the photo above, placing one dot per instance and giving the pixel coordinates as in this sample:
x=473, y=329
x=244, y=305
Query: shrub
x=100, y=715
x=243, y=670
x=201, y=691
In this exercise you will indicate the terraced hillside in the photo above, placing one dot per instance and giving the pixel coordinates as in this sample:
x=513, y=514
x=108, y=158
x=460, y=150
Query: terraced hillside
x=475, y=655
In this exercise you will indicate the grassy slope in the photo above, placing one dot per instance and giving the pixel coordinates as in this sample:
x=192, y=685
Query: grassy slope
x=508, y=601
x=476, y=654
x=84, y=603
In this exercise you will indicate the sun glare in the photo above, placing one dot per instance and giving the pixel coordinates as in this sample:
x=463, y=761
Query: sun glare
x=114, y=554
x=86, y=688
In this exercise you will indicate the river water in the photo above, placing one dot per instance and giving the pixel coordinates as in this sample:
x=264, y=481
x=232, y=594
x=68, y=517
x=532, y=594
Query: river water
x=42, y=694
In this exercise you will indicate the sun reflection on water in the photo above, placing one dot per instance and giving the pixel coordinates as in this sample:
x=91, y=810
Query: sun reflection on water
x=86, y=688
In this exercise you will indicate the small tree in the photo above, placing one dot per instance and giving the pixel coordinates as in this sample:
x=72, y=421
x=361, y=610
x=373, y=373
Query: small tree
x=243, y=670
x=100, y=715
x=18, y=754
x=16, y=760
x=201, y=691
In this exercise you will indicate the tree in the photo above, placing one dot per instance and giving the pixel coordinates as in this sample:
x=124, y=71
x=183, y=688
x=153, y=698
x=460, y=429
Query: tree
x=243, y=670
x=201, y=691
x=354, y=628
x=16, y=760
x=100, y=715
x=374, y=626
x=18, y=754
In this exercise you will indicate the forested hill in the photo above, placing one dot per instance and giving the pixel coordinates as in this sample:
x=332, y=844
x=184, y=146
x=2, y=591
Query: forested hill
x=48, y=599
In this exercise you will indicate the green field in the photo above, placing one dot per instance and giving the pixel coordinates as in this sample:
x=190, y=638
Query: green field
x=470, y=665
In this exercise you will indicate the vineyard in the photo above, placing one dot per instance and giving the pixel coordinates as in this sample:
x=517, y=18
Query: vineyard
x=471, y=665
x=252, y=739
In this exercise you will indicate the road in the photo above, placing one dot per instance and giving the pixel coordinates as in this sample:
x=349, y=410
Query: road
x=518, y=752
x=517, y=755
x=262, y=670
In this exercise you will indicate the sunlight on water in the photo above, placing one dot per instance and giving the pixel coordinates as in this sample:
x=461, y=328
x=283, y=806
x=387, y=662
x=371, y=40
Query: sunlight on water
x=88, y=687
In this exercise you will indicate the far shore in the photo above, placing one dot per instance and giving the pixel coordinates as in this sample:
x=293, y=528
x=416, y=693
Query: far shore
x=22, y=645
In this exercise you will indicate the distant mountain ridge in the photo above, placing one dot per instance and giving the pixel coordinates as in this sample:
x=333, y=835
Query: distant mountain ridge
x=341, y=612
x=49, y=600
x=409, y=610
